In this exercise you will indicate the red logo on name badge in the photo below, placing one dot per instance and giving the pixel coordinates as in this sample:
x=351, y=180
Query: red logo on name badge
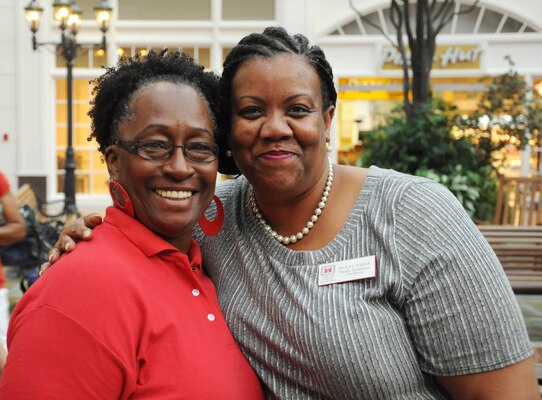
x=328, y=270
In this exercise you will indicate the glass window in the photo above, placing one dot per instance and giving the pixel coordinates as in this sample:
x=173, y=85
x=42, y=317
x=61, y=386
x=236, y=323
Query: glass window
x=101, y=183
x=351, y=28
x=248, y=9
x=80, y=61
x=99, y=58
x=189, y=51
x=80, y=113
x=90, y=170
x=60, y=157
x=124, y=52
x=87, y=57
x=511, y=26
x=490, y=22
x=61, y=136
x=200, y=54
x=225, y=52
x=82, y=182
x=467, y=21
x=158, y=49
x=204, y=57
x=80, y=136
x=165, y=10
x=61, y=112
x=142, y=51
x=370, y=27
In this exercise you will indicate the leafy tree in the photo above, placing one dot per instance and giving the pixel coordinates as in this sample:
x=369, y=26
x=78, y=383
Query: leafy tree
x=509, y=114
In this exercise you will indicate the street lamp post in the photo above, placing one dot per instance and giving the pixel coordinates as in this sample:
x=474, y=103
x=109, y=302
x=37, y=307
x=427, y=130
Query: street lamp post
x=68, y=17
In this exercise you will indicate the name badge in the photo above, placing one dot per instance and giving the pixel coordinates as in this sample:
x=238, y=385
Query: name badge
x=346, y=271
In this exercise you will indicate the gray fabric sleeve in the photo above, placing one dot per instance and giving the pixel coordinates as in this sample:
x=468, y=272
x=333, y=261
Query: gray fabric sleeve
x=458, y=304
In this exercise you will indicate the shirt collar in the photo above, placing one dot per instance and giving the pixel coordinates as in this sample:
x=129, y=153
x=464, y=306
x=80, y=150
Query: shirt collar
x=148, y=241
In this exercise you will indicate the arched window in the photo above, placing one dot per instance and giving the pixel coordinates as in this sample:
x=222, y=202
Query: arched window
x=481, y=20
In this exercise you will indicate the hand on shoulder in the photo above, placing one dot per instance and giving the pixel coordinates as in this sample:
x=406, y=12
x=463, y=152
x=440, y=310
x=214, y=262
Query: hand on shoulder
x=73, y=232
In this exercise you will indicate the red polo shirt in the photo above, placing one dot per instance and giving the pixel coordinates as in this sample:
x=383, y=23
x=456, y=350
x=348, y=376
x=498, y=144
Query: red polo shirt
x=125, y=315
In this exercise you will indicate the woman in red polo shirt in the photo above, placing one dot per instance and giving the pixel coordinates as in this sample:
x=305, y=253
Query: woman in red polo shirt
x=138, y=318
x=12, y=229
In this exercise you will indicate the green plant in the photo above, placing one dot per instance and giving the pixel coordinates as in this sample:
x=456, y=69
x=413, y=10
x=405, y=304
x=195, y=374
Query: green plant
x=425, y=146
x=476, y=191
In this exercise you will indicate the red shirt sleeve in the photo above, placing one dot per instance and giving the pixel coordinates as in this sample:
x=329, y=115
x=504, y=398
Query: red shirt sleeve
x=4, y=185
x=64, y=362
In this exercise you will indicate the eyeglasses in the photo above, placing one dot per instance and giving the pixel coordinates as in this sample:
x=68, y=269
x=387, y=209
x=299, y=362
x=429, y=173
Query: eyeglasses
x=161, y=150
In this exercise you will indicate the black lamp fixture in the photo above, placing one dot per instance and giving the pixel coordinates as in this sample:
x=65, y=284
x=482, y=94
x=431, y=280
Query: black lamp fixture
x=68, y=17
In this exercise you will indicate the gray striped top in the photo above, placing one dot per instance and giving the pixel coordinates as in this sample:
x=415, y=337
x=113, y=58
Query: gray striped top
x=440, y=303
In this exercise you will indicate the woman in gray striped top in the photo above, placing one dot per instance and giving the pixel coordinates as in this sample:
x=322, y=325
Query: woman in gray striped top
x=348, y=283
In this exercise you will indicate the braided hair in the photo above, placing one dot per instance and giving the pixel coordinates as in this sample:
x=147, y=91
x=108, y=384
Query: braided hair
x=115, y=90
x=272, y=41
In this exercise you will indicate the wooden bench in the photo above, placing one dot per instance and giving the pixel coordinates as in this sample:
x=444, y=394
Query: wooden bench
x=519, y=201
x=26, y=195
x=43, y=228
x=519, y=249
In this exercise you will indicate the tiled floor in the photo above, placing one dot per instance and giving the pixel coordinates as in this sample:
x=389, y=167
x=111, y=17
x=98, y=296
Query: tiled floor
x=13, y=284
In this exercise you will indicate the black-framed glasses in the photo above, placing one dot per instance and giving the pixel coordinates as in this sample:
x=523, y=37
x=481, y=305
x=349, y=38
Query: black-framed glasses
x=162, y=150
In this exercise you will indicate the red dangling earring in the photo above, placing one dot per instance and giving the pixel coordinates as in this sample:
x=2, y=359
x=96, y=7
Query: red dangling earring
x=121, y=199
x=211, y=228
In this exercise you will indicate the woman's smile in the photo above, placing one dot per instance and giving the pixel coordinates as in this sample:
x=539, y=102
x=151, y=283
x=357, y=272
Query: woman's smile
x=276, y=155
x=174, y=203
x=174, y=194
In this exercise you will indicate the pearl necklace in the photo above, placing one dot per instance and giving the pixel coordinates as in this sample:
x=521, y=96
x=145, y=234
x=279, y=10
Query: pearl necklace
x=286, y=240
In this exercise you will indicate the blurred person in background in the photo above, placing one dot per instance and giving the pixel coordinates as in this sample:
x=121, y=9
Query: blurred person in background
x=12, y=230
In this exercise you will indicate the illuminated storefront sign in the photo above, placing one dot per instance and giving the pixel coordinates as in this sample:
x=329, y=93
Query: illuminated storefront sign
x=446, y=57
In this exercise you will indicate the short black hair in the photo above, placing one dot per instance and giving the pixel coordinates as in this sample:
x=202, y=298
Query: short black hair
x=272, y=41
x=115, y=89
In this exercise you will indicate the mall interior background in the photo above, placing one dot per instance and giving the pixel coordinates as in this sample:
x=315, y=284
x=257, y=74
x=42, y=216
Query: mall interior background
x=33, y=103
